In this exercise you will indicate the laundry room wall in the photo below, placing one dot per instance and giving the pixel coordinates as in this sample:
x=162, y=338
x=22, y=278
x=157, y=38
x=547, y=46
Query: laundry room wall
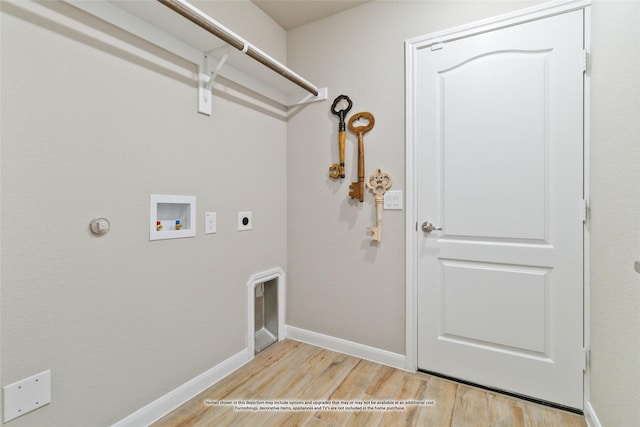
x=341, y=283
x=95, y=120
x=615, y=208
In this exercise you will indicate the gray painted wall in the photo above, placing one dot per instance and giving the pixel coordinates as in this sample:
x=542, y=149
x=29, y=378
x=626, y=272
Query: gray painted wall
x=342, y=285
x=89, y=129
x=615, y=213
x=93, y=121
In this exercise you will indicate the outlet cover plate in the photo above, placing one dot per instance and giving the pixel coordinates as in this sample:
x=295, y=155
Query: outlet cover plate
x=245, y=221
x=26, y=395
x=393, y=200
x=209, y=222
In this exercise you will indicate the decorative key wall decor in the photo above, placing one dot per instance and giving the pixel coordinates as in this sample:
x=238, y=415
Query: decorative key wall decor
x=378, y=182
x=357, y=188
x=337, y=170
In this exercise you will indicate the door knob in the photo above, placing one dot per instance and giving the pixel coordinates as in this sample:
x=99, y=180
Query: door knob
x=427, y=227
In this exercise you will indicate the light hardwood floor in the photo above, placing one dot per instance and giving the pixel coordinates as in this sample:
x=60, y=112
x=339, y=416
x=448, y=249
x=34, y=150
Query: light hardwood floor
x=297, y=371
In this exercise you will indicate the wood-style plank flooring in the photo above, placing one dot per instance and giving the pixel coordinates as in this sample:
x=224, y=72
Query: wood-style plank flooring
x=302, y=372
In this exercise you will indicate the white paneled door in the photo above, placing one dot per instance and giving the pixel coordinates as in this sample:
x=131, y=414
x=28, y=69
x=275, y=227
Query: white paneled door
x=499, y=178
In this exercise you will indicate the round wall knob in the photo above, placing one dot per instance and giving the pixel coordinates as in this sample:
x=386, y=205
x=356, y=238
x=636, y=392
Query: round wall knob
x=99, y=226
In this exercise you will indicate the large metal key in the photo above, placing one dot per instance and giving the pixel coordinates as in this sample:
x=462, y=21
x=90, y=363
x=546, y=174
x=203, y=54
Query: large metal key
x=378, y=182
x=357, y=188
x=337, y=170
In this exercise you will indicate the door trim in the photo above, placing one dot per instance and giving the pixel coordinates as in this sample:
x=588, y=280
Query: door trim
x=411, y=217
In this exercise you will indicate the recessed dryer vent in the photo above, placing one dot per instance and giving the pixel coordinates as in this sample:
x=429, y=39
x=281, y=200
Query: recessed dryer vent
x=265, y=303
x=266, y=310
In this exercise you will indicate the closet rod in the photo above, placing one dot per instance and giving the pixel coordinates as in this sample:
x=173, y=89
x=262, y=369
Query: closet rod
x=203, y=20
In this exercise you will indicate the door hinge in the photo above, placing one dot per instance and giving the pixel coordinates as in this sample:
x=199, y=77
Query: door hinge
x=584, y=210
x=586, y=353
x=586, y=61
x=437, y=46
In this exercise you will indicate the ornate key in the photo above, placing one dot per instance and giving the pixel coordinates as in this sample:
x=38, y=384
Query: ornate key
x=337, y=170
x=357, y=188
x=378, y=182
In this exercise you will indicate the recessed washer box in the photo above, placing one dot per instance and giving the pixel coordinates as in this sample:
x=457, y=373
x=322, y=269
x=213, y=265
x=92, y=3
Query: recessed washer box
x=171, y=217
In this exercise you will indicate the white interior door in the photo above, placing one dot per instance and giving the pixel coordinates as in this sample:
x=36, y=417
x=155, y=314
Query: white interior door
x=499, y=143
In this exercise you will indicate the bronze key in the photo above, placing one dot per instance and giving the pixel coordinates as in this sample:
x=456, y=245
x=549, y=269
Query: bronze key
x=357, y=188
x=337, y=170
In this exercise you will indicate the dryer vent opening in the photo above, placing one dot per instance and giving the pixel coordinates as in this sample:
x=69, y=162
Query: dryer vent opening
x=265, y=305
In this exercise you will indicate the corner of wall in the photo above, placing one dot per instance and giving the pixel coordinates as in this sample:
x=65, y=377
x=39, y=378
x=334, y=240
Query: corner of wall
x=590, y=415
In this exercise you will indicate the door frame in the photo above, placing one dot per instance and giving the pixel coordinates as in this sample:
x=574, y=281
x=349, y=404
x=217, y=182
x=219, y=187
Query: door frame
x=412, y=45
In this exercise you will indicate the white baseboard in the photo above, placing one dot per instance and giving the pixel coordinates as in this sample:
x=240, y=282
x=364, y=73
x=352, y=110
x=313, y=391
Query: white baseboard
x=590, y=416
x=170, y=401
x=373, y=354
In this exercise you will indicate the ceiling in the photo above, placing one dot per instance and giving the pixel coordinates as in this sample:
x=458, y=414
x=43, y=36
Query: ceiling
x=294, y=13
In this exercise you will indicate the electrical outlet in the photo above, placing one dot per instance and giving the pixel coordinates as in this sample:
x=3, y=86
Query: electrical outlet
x=26, y=395
x=209, y=222
x=245, y=222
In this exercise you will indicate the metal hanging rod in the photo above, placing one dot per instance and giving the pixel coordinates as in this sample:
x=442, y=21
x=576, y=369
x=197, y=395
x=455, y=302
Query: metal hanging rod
x=203, y=20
